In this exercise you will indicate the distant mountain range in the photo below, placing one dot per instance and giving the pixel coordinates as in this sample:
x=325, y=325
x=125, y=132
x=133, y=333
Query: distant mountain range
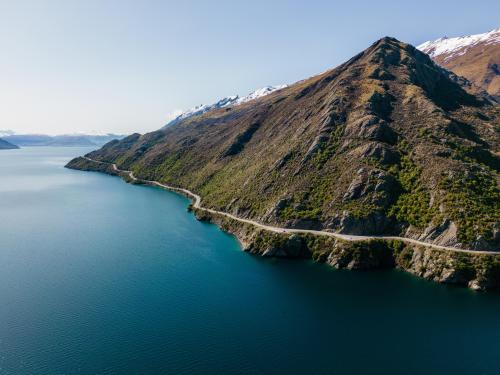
x=26, y=140
x=475, y=57
x=4, y=145
x=225, y=102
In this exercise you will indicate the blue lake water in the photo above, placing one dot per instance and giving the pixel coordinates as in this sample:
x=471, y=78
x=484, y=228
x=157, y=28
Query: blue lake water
x=100, y=277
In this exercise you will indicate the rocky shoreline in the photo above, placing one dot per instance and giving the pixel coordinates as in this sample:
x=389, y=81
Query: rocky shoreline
x=476, y=271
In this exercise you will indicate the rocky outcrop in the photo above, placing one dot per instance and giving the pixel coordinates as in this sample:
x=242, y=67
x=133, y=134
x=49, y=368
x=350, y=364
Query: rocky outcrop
x=240, y=140
x=476, y=271
x=360, y=255
x=380, y=152
x=370, y=127
x=444, y=233
x=375, y=222
x=336, y=117
x=369, y=182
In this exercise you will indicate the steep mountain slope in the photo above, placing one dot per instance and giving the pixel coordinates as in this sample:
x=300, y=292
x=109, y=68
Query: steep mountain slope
x=4, y=145
x=224, y=102
x=475, y=57
x=387, y=142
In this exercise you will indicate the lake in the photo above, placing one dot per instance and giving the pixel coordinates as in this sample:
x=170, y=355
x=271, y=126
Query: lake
x=101, y=277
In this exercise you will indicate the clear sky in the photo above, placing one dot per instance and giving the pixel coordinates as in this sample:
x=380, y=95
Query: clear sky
x=123, y=66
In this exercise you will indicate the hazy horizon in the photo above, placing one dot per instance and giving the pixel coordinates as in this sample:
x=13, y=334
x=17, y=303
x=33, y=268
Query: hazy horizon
x=122, y=67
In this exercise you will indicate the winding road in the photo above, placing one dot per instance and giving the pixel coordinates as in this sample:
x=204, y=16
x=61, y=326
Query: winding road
x=347, y=237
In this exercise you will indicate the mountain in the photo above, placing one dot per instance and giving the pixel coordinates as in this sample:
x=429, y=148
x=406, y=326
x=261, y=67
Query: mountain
x=387, y=143
x=4, y=133
x=4, y=145
x=225, y=102
x=475, y=57
x=60, y=140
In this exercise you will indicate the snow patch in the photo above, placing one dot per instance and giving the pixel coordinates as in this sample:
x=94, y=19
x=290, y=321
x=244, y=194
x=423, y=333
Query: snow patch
x=454, y=47
x=225, y=102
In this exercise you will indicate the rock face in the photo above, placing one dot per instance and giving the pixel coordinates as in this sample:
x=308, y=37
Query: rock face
x=476, y=271
x=386, y=143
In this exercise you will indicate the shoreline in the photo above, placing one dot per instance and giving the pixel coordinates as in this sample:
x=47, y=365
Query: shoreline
x=476, y=269
x=346, y=237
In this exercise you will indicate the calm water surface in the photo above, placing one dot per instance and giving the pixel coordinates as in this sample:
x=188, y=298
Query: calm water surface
x=100, y=277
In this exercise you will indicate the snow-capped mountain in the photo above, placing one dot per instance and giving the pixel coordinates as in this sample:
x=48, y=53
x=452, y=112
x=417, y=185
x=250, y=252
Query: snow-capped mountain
x=225, y=102
x=475, y=57
x=454, y=47
x=258, y=93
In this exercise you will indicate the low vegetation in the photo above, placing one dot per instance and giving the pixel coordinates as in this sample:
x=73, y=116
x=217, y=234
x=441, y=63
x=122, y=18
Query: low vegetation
x=385, y=143
x=472, y=200
x=413, y=204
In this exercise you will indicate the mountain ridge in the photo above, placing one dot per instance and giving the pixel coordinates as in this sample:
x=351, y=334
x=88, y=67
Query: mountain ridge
x=475, y=57
x=388, y=143
x=224, y=102
x=363, y=116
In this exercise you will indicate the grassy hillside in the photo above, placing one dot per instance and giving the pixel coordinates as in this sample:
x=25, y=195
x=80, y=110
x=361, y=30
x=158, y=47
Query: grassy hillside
x=387, y=142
